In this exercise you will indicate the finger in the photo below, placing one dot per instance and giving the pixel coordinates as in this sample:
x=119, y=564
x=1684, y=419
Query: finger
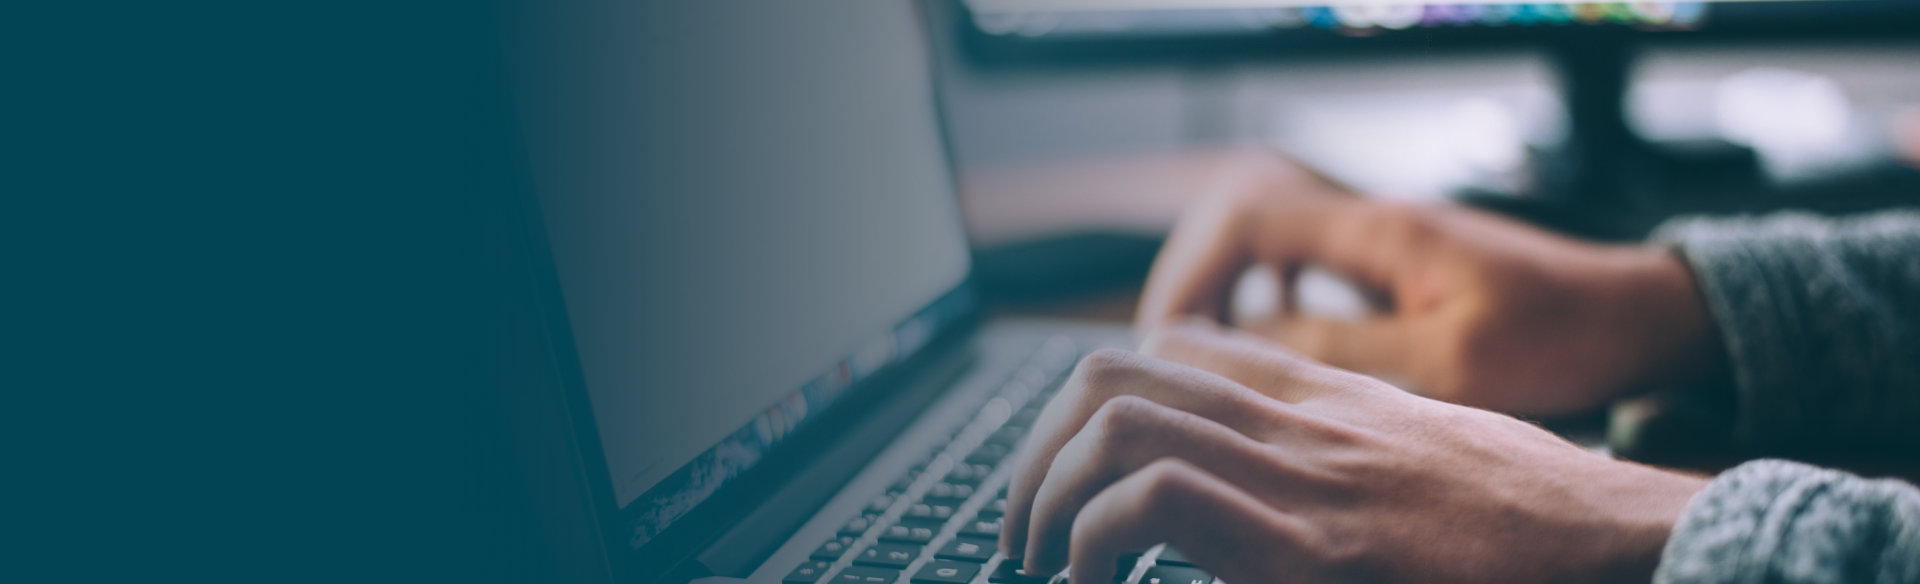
x=1269, y=368
x=1377, y=345
x=1216, y=240
x=1125, y=435
x=1194, y=271
x=1109, y=373
x=1367, y=242
x=1222, y=528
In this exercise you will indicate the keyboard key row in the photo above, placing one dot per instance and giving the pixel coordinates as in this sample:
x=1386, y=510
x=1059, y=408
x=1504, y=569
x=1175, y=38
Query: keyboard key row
x=926, y=511
x=948, y=494
x=807, y=573
x=834, y=548
x=907, y=534
x=866, y=575
x=981, y=528
x=888, y=555
x=946, y=572
x=1009, y=573
x=968, y=549
x=1175, y=575
x=969, y=473
x=957, y=561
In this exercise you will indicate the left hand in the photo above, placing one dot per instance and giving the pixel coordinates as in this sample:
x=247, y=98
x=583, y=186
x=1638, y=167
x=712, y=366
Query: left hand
x=1261, y=465
x=1479, y=310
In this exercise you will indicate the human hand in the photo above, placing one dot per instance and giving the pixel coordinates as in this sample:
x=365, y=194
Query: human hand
x=1276, y=466
x=1479, y=310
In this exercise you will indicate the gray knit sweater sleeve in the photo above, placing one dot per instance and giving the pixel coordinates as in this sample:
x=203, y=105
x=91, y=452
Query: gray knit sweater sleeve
x=1776, y=521
x=1821, y=321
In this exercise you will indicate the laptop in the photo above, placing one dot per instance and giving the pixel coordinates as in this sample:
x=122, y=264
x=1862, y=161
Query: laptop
x=775, y=369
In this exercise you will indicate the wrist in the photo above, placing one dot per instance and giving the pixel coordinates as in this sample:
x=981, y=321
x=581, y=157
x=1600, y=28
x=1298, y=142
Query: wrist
x=1645, y=505
x=1665, y=320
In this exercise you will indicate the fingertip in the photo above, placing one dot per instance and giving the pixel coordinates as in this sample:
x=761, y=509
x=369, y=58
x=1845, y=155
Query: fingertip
x=1036, y=563
x=1013, y=542
x=1013, y=538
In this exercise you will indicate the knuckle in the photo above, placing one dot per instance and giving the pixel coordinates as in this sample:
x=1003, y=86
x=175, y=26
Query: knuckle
x=1168, y=483
x=1081, y=531
x=1126, y=421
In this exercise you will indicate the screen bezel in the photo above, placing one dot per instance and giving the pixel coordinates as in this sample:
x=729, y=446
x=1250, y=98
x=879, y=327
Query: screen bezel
x=665, y=557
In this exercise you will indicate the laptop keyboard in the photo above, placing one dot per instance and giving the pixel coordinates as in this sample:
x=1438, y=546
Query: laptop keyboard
x=940, y=523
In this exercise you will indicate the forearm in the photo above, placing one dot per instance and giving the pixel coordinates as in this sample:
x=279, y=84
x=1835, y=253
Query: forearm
x=1820, y=321
x=1776, y=521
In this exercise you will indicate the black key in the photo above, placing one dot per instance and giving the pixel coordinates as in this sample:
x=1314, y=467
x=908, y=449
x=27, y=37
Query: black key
x=1124, y=566
x=807, y=573
x=832, y=550
x=880, y=504
x=1175, y=575
x=858, y=525
x=948, y=494
x=907, y=534
x=981, y=528
x=905, y=481
x=988, y=454
x=967, y=549
x=1007, y=436
x=1009, y=573
x=969, y=474
x=925, y=511
x=1025, y=417
x=946, y=572
x=933, y=524
x=887, y=555
x=866, y=575
x=1173, y=557
x=994, y=509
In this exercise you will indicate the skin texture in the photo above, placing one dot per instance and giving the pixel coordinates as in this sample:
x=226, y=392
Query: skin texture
x=1257, y=462
x=1477, y=309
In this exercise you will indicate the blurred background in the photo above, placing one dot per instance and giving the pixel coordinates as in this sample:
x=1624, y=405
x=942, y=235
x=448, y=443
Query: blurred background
x=1081, y=127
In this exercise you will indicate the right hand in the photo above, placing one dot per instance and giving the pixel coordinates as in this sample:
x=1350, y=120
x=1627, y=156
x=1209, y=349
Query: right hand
x=1263, y=467
x=1481, y=310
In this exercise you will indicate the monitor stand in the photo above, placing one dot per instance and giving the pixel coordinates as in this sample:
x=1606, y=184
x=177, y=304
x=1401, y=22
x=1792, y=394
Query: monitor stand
x=1604, y=180
x=1605, y=158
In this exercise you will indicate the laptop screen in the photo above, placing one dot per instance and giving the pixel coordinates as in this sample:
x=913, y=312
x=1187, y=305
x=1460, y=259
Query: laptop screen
x=749, y=207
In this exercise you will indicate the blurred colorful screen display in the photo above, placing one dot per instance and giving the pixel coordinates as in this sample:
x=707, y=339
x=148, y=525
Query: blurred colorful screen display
x=1084, y=17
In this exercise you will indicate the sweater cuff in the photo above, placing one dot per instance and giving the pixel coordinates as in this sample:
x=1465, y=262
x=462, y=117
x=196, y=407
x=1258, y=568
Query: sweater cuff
x=1779, y=521
x=1730, y=266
